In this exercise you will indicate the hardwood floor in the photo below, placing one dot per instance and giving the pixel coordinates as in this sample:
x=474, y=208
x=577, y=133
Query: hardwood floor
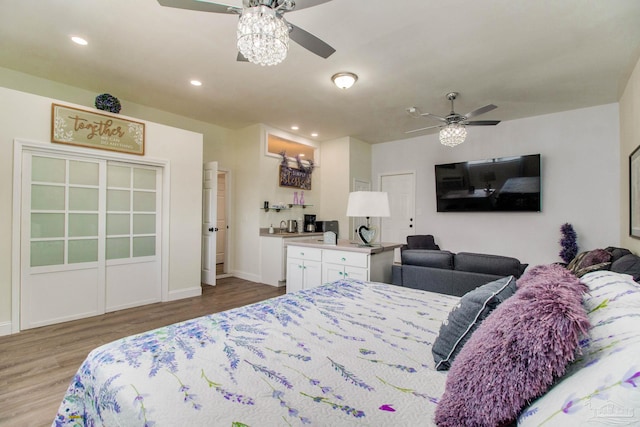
x=37, y=365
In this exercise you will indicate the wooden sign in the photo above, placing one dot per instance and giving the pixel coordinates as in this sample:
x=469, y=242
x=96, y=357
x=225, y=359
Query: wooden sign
x=297, y=178
x=95, y=130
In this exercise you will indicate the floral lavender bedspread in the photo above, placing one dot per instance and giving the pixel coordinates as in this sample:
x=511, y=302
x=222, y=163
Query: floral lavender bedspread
x=347, y=353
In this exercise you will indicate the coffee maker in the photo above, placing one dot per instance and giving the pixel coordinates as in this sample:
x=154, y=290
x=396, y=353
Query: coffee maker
x=309, y=223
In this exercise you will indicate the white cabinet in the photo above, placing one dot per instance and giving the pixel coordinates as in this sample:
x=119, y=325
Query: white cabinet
x=344, y=265
x=273, y=258
x=304, y=268
x=311, y=264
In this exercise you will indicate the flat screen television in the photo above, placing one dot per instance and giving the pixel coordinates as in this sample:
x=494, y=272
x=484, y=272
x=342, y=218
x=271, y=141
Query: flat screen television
x=501, y=184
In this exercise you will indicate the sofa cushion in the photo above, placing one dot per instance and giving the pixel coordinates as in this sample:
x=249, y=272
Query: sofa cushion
x=602, y=387
x=627, y=264
x=516, y=353
x=488, y=264
x=428, y=258
x=465, y=318
x=422, y=241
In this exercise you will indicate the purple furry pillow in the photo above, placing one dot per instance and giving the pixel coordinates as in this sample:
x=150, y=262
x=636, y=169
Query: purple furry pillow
x=515, y=354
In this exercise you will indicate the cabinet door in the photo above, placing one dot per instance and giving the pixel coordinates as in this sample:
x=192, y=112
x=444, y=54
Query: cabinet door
x=312, y=274
x=332, y=272
x=295, y=275
x=356, y=273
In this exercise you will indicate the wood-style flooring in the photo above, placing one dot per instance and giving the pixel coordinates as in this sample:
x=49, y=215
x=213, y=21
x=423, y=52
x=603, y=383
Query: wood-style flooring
x=37, y=365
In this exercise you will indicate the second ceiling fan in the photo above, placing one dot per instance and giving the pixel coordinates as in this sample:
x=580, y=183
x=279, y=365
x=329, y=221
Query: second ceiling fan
x=263, y=34
x=453, y=130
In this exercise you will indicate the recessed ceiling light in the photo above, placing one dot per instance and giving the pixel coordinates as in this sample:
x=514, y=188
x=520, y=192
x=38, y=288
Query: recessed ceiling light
x=314, y=134
x=294, y=127
x=79, y=40
x=196, y=82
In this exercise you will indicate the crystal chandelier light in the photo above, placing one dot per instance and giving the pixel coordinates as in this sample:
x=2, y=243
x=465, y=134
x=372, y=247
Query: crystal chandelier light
x=263, y=37
x=453, y=134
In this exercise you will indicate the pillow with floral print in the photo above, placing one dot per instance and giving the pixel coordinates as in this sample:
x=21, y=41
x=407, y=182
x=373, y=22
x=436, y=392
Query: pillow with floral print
x=602, y=386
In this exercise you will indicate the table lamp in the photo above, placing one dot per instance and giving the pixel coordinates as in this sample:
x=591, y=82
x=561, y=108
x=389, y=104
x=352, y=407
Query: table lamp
x=368, y=204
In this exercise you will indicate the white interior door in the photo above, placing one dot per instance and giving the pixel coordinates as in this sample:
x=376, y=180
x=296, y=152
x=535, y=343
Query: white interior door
x=401, y=190
x=209, y=222
x=133, y=228
x=88, y=244
x=62, y=277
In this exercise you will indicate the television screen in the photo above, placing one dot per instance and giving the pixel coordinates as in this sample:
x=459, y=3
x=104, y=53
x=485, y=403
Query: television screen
x=501, y=184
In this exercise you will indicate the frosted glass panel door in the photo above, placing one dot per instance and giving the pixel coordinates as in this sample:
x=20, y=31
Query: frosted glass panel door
x=60, y=271
x=90, y=237
x=133, y=226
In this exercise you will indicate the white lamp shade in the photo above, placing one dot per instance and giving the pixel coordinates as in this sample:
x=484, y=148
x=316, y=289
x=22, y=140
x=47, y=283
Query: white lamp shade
x=368, y=204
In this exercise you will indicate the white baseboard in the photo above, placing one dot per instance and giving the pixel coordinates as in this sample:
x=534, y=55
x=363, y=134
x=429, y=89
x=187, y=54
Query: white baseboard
x=247, y=276
x=184, y=293
x=5, y=328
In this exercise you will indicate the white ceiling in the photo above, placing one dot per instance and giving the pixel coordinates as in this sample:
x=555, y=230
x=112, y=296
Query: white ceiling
x=528, y=57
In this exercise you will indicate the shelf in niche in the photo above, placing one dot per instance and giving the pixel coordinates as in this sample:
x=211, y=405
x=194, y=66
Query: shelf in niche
x=285, y=207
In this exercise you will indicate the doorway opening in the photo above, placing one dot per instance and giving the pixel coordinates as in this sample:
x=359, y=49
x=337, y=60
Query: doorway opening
x=222, y=236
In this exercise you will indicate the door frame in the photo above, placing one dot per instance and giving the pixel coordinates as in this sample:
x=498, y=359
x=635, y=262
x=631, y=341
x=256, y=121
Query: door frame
x=22, y=145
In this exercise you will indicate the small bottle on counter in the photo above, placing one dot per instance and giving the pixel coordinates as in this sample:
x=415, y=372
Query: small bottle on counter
x=271, y=229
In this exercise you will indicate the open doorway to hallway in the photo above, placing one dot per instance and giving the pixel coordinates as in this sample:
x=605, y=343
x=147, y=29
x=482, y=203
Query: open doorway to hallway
x=222, y=236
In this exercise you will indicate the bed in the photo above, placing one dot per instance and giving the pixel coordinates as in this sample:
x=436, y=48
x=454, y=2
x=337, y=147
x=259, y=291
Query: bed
x=344, y=353
x=360, y=353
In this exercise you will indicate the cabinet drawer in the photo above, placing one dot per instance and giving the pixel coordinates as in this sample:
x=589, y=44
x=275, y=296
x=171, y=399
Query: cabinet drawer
x=301, y=252
x=356, y=259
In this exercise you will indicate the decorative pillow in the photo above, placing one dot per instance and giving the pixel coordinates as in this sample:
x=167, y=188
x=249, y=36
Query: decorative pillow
x=516, y=352
x=586, y=262
x=628, y=264
x=602, y=387
x=616, y=253
x=465, y=318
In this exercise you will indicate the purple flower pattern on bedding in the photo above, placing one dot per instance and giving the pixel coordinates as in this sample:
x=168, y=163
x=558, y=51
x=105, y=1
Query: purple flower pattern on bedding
x=333, y=355
x=602, y=386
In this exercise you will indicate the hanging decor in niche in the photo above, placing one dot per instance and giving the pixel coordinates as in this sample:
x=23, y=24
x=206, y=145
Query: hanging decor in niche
x=299, y=177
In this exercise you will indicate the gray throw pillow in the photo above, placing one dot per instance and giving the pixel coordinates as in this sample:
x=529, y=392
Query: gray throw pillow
x=465, y=317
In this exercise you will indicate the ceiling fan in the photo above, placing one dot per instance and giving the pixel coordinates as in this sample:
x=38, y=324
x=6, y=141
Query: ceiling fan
x=263, y=33
x=453, y=130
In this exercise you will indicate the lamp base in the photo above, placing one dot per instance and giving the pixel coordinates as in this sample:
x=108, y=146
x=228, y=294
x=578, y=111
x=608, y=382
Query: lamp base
x=367, y=234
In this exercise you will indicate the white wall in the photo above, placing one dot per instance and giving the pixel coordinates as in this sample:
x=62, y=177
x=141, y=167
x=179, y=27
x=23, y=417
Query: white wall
x=629, y=141
x=580, y=179
x=28, y=117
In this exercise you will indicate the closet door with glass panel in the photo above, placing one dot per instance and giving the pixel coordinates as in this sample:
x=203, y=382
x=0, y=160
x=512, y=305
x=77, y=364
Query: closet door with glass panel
x=89, y=237
x=61, y=242
x=133, y=228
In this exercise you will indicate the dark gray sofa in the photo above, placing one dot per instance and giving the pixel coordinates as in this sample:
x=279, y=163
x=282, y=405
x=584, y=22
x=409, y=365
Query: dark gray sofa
x=448, y=273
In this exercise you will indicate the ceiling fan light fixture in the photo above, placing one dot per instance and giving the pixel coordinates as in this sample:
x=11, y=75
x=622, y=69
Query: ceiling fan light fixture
x=263, y=37
x=344, y=80
x=453, y=134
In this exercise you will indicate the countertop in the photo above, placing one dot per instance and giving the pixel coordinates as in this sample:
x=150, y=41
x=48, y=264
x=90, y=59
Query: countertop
x=346, y=245
x=264, y=232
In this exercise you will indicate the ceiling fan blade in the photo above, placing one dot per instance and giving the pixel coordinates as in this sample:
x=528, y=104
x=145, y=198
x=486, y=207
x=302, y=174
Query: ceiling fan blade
x=421, y=129
x=201, y=6
x=241, y=58
x=310, y=42
x=442, y=119
x=480, y=110
x=482, y=123
x=303, y=4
